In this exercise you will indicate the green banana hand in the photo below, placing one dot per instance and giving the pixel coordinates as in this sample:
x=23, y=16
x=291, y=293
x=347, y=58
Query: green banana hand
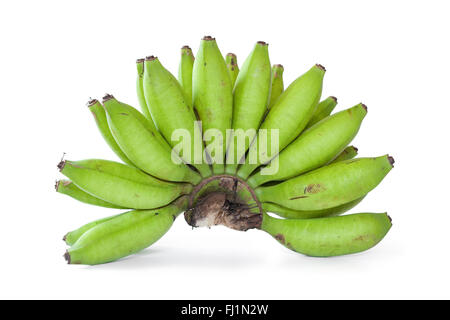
x=165, y=98
x=135, y=136
x=316, y=146
x=329, y=186
x=99, y=114
x=140, y=89
x=185, y=73
x=120, y=184
x=251, y=94
x=277, y=84
x=212, y=96
x=309, y=214
x=289, y=116
x=332, y=236
x=69, y=188
x=122, y=235
x=348, y=153
x=323, y=110
x=233, y=68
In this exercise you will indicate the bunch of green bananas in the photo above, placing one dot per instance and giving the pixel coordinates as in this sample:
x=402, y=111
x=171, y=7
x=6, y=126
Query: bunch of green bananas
x=316, y=178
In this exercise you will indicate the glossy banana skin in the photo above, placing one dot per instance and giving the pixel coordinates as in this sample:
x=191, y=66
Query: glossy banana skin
x=277, y=84
x=170, y=110
x=233, y=68
x=113, y=238
x=316, y=146
x=121, y=185
x=331, y=236
x=101, y=120
x=185, y=73
x=140, y=89
x=290, y=114
x=212, y=94
x=348, y=153
x=329, y=186
x=297, y=214
x=251, y=94
x=144, y=145
x=69, y=188
x=323, y=110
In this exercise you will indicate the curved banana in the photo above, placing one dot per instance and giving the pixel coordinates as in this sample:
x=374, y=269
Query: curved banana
x=277, y=84
x=141, y=144
x=185, y=73
x=233, y=68
x=122, y=235
x=140, y=89
x=99, y=114
x=309, y=214
x=250, y=97
x=213, y=98
x=323, y=110
x=316, y=146
x=171, y=113
x=69, y=188
x=332, y=236
x=348, y=153
x=289, y=116
x=329, y=186
x=120, y=184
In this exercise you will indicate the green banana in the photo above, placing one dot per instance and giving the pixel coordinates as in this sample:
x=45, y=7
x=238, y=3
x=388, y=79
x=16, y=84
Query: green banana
x=277, y=84
x=140, y=89
x=165, y=98
x=123, y=235
x=185, y=73
x=69, y=188
x=99, y=114
x=332, y=236
x=316, y=146
x=213, y=98
x=297, y=214
x=329, y=186
x=323, y=110
x=233, y=68
x=289, y=116
x=71, y=237
x=251, y=93
x=140, y=143
x=348, y=153
x=120, y=184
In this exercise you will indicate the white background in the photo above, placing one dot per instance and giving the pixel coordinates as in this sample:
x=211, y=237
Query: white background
x=391, y=55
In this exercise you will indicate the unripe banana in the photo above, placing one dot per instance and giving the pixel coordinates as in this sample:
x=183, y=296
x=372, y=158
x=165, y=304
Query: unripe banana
x=332, y=236
x=348, y=153
x=289, y=116
x=167, y=104
x=121, y=185
x=140, y=89
x=297, y=214
x=212, y=95
x=316, y=146
x=185, y=73
x=233, y=68
x=323, y=110
x=277, y=84
x=123, y=235
x=69, y=188
x=251, y=94
x=329, y=186
x=141, y=145
x=102, y=123
x=71, y=237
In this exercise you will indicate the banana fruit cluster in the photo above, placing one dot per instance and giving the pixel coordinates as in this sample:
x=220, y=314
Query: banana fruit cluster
x=315, y=175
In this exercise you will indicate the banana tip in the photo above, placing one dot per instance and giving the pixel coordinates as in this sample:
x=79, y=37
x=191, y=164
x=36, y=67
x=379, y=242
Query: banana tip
x=91, y=102
x=208, y=38
x=140, y=60
x=150, y=58
x=333, y=98
x=321, y=67
x=107, y=97
x=65, y=237
x=278, y=66
x=364, y=106
x=262, y=43
x=355, y=148
x=391, y=160
x=61, y=165
x=67, y=257
x=57, y=184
